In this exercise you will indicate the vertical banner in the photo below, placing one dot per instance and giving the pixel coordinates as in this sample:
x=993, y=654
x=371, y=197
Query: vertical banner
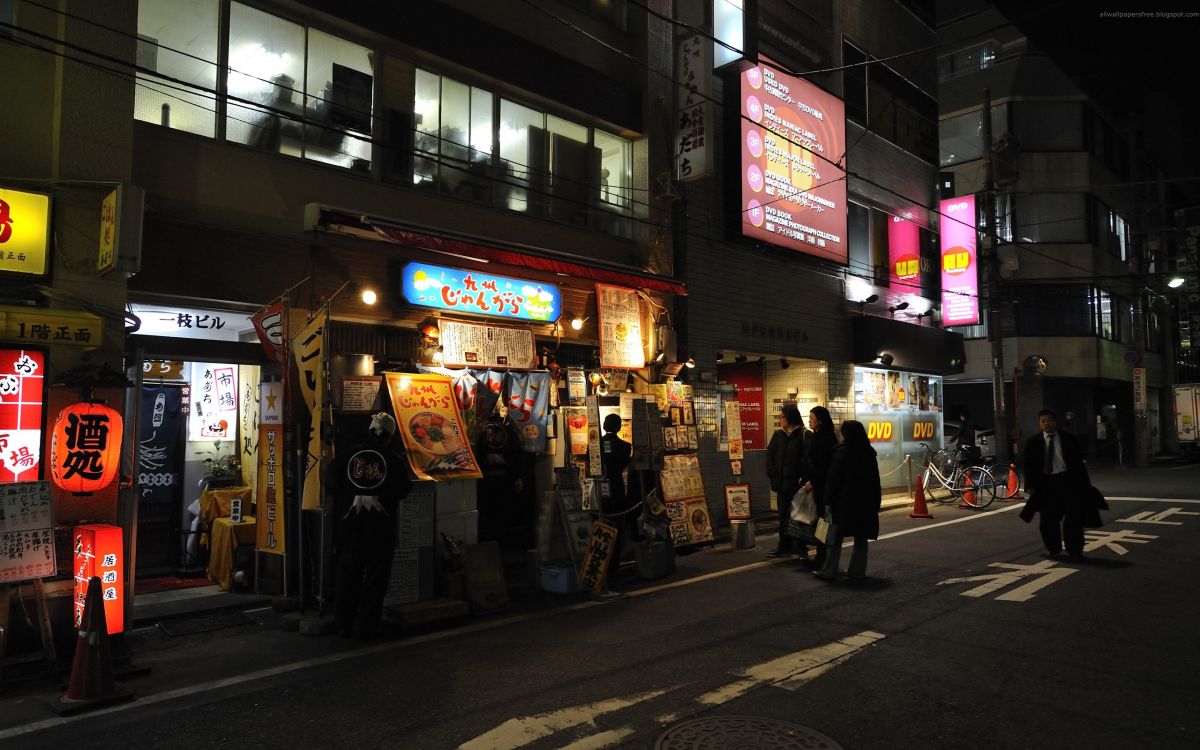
x=960, y=269
x=159, y=445
x=268, y=324
x=620, y=328
x=22, y=379
x=248, y=416
x=306, y=349
x=270, y=470
x=595, y=465
x=747, y=380
x=527, y=396
x=98, y=552
x=434, y=433
x=576, y=420
x=693, y=135
x=904, y=255
x=213, y=412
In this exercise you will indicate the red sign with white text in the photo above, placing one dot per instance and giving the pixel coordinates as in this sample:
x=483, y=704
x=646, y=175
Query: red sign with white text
x=21, y=406
x=747, y=380
x=98, y=553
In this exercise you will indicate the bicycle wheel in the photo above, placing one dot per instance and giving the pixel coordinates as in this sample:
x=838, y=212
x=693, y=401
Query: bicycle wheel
x=1008, y=482
x=976, y=487
x=934, y=489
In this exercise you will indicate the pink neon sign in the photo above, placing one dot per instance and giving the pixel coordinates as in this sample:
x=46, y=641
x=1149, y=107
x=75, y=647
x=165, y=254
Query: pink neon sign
x=960, y=269
x=904, y=254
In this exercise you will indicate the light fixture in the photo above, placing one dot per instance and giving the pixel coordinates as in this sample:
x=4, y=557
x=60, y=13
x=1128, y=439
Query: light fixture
x=896, y=308
x=1175, y=282
x=885, y=359
x=691, y=363
x=740, y=358
x=761, y=360
x=720, y=356
x=658, y=358
x=368, y=296
x=784, y=364
x=577, y=323
x=870, y=299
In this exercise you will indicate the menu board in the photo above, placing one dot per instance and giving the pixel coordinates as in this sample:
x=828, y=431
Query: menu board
x=486, y=346
x=26, y=532
x=684, y=501
x=733, y=429
x=620, y=328
x=359, y=394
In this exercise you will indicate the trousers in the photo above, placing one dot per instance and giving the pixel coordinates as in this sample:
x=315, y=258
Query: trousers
x=368, y=539
x=1061, y=510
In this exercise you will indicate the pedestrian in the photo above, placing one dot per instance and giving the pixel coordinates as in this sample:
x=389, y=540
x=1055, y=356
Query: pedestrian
x=369, y=481
x=791, y=464
x=966, y=431
x=1057, y=480
x=501, y=459
x=817, y=460
x=615, y=456
x=854, y=496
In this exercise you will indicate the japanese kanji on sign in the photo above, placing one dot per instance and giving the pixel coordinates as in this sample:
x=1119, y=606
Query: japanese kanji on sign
x=85, y=451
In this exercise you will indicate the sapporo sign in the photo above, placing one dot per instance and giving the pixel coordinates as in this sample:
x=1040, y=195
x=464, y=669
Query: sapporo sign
x=24, y=232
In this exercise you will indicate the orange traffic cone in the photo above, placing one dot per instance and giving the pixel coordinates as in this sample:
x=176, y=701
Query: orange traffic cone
x=968, y=494
x=920, y=510
x=1014, y=486
x=92, y=684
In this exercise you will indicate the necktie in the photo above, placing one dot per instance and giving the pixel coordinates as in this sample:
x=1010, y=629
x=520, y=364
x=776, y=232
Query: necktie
x=1049, y=467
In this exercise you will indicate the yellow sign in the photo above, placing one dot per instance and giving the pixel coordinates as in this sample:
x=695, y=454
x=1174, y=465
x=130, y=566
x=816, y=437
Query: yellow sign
x=24, y=231
x=47, y=327
x=432, y=428
x=306, y=349
x=108, y=230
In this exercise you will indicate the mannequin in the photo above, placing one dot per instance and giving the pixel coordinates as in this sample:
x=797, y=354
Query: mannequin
x=369, y=480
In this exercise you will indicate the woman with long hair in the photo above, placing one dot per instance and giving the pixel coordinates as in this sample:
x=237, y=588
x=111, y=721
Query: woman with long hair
x=817, y=457
x=853, y=494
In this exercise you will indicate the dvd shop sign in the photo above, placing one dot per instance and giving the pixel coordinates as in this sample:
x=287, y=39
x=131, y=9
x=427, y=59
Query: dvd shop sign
x=879, y=431
x=922, y=431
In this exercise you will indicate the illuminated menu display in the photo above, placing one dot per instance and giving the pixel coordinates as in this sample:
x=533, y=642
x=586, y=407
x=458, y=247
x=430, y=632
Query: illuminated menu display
x=960, y=268
x=793, y=138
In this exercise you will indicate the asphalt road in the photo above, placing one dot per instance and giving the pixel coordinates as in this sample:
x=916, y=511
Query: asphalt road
x=964, y=635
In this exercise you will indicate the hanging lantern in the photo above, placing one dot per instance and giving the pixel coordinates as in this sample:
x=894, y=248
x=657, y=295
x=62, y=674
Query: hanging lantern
x=85, y=450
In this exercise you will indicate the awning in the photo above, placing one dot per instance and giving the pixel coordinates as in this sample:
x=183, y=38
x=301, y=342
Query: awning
x=538, y=262
x=912, y=347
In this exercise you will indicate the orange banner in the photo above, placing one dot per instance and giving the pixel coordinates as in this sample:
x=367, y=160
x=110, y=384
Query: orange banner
x=434, y=432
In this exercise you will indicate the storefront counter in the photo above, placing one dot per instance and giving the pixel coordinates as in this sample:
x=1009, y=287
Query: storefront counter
x=224, y=541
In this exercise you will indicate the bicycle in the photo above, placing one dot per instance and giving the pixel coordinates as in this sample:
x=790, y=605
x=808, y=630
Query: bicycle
x=1004, y=473
x=946, y=472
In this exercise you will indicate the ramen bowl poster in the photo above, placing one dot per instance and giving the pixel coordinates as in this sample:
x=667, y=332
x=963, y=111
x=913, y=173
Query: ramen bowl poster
x=434, y=433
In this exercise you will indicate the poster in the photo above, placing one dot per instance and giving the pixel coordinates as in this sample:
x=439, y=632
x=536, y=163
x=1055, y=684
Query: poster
x=699, y=524
x=595, y=467
x=904, y=255
x=26, y=532
x=737, y=502
x=484, y=346
x=680, y=478
x=22, y=378
x=620, y=328
x=747, y=380
x=576, y=384
x=214, y=400
x=158, y=445
x=433, y=431
x=733, y=429
x=576, y=420
x=960, y=268
x=248, y=428
x=307, y=351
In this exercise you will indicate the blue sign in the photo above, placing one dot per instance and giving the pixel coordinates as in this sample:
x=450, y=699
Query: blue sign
x=480, y=293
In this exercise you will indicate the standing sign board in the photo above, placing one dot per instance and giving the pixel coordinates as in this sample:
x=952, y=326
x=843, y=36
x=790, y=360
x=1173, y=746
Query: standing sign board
x=98, y=553
x=26, y=532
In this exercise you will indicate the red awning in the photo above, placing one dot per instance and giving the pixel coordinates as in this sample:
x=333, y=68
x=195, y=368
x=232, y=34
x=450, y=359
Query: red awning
x=514, y=258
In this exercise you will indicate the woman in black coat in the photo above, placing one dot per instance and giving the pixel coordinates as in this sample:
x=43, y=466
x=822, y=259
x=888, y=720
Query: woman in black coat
x=818, y=453
x=853, y=493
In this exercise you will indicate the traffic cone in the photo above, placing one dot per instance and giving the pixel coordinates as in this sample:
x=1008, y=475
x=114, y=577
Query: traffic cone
x=1014, y=486
x=920, y=510
x=968, y=494
x=92, y=684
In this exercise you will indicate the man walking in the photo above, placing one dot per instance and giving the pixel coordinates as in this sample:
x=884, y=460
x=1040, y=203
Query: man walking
x=1056, y=479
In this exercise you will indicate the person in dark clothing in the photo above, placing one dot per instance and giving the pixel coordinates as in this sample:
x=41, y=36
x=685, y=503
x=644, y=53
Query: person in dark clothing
x=966, y=431
x=817, y=459
x=369, y=482
x=1056, y=479
x=501, y=460
x=615, y=456
x=790, y=461
x=854, y=496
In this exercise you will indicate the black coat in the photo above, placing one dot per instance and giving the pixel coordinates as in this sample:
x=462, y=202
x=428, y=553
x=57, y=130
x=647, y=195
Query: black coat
x=775, y=450
x=817, y=461
x=853, y=492
x=792, y=465
x=1035, y=457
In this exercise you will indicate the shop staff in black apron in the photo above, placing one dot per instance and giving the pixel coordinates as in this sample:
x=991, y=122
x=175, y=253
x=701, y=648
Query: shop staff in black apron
x=369, y=480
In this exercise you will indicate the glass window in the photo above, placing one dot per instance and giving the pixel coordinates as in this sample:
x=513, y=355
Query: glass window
x=1048, y=126
x=1102, y=306
x=427, y=110
x=616, y=172
x=522, y=155
x=1051, y=217
x=338, y=103
x=178, y=39
x=266, y=67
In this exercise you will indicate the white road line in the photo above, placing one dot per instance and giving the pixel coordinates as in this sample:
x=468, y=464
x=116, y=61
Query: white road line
x=1124, y=498
x=1186, y=466
x=600, y=740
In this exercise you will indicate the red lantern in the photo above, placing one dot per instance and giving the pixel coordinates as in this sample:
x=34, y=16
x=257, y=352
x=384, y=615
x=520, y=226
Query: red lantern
x=85, y=451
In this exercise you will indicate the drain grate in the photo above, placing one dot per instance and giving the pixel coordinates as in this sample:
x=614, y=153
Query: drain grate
x=741, y=733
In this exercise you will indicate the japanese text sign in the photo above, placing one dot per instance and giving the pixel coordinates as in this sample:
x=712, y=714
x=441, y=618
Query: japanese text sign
x=597, y=555
x=24, y=232
x=960, y=268
x=270, y=530
x=620, y=328
x=85, y=448
x=693, y=107
x=98, y=553
x=22, y=378
x=26, y=532
x=433, y=430
x=480, y=293
x=110, y=209
x=191, y=322
x=793, y=182
x=50, y=327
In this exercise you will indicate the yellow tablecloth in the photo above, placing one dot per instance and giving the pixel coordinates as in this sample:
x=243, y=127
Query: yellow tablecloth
x=215, y=503
x=223, y=545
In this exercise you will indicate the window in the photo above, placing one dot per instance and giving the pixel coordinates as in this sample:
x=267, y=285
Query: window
x=960, y=138
x=473, y=144
x=967, y=61
x=288, y=89
x=1048, y=126
x=178, y=39
x=1102, y=306
x=1047, y=310
x=1051, y=217
x=884, y=102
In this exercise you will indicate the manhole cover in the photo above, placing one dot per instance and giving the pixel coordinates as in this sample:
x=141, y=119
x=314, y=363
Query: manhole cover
x=741, y=733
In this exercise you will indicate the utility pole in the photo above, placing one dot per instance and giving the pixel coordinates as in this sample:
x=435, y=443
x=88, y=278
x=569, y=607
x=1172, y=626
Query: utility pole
x=991, y=270
x=1139, y=247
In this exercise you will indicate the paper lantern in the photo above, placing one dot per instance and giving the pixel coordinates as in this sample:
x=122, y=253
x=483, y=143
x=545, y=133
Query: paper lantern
x=85, y=450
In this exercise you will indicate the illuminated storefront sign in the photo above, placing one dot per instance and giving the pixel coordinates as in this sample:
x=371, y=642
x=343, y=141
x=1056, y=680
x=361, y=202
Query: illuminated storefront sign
x=960, y=269
x=480, y=293
x=191, y=322
x=900, y=411
x=24, y=232
x=22, y=380
x=85, y=449
x=793, y=135
x=50, y=326
x=904, y=254
x=98, y=553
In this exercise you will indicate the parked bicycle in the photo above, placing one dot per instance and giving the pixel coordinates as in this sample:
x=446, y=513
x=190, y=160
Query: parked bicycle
x=949, y=477
x=1008, y=481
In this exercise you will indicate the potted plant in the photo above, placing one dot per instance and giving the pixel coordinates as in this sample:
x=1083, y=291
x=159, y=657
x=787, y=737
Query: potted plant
x=221, y=470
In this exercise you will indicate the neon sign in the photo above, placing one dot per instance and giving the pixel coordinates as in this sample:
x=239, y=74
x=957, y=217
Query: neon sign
x=480, y=293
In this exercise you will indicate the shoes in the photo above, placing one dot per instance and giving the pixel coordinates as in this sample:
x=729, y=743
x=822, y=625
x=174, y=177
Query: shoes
x=778, y=553
x=825, y=576
x=1078, y=557
x=1053, y=555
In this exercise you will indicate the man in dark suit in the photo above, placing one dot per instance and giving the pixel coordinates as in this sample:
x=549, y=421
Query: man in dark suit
x=1056, y=479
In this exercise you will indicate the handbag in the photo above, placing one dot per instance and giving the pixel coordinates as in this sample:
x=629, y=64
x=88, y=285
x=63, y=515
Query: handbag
x=825, y=531
x=804, y=507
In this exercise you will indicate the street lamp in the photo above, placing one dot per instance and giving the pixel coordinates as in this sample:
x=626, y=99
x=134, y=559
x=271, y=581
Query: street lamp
x=1175, y=282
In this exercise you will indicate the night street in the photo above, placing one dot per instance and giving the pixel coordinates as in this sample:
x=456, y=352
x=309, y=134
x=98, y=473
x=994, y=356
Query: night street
x=1069, y=655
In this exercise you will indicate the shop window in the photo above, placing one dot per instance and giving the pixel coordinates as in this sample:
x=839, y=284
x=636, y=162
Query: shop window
x=178, y=39
x=266, y=66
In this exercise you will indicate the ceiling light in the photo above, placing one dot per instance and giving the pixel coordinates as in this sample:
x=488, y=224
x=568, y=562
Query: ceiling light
x=720, y=356
x=577, y=323
x=885, y=359
x=369, y=297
